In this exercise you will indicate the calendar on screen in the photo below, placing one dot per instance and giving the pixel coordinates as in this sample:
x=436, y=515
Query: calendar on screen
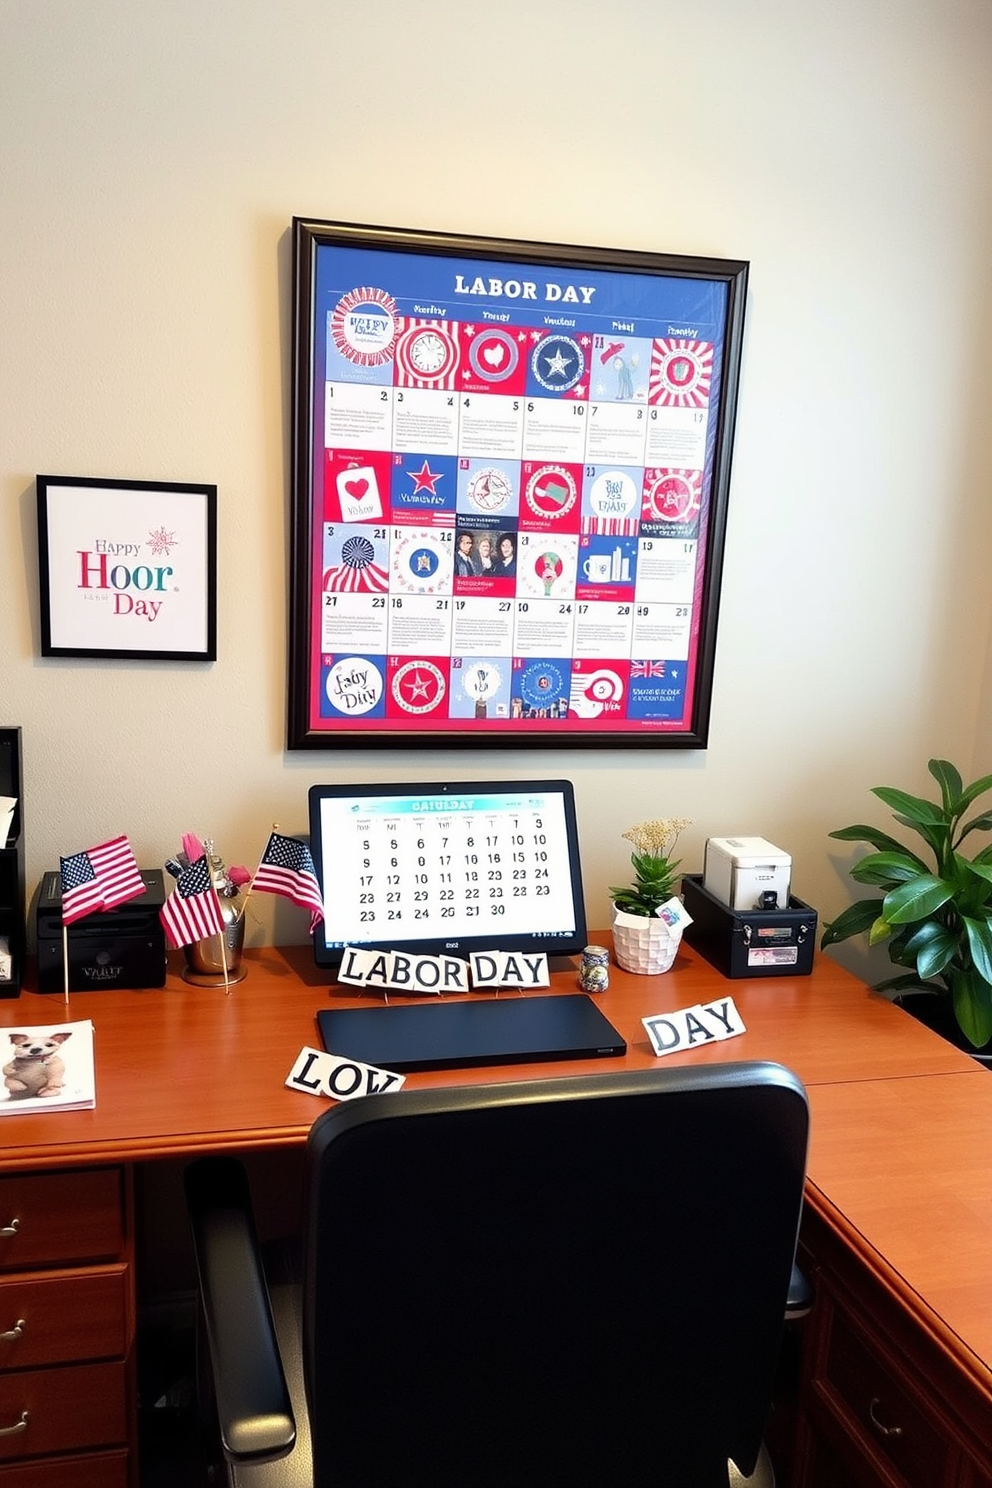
x=510, y=478
x=447, y=868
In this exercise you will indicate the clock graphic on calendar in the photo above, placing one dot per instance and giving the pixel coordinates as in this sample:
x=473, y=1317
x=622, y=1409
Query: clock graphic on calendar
x=426, y=354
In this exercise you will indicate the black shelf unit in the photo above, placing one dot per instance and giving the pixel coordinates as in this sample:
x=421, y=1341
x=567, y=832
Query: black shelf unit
x=12, y=922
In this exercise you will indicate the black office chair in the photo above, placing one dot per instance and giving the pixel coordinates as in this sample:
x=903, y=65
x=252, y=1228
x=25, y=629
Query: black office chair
x=558, y=1282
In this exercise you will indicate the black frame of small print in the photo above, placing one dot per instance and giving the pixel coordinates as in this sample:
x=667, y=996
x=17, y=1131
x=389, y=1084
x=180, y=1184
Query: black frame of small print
x=127, y=568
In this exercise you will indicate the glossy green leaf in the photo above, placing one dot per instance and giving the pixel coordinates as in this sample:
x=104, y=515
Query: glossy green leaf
x=886, y=869
x=951, y=785
x=916, y=811
x=854, y=920
x=931, y=948
x=900, y=953
x=973, y=791
x=916, y=900
x=972, y=999
x=881, y=930
x=976, y=868
x=881, y=841
x=980, y=944
x=981, y=823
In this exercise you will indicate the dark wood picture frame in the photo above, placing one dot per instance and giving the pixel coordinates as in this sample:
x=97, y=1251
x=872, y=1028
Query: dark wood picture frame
x=411, y=350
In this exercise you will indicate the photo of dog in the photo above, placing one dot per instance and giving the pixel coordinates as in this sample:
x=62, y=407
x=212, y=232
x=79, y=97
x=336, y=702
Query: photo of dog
x=37, y=1068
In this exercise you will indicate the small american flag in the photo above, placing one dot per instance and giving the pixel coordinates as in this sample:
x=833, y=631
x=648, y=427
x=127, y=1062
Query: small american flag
x=287, y=869
x=192, y=910
x=100, y=878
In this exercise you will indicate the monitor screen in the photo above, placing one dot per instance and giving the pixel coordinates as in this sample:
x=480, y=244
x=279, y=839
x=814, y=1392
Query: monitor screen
x=471, y=866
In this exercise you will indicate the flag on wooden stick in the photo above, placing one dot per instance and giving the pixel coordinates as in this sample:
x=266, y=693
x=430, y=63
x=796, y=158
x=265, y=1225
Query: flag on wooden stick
x=192, y=911
x=287, y=869
x=100, y=878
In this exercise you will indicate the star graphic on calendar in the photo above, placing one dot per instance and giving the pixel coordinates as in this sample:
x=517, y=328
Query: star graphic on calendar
x=557, y=365
x=425, y=479
x=418, y=687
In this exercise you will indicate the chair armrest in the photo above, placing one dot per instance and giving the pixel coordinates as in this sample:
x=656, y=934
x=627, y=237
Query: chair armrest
x=253, y=1406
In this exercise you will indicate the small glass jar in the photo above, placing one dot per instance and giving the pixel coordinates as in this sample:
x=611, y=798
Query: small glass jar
x=594, y=969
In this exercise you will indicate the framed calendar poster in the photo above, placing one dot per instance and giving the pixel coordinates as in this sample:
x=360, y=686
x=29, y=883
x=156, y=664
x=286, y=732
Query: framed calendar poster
x=510, y=473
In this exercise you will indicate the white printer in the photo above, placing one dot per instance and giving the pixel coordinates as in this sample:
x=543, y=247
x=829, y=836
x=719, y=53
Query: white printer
x=747, y=873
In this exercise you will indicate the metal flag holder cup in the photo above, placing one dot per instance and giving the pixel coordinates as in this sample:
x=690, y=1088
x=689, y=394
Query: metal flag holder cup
x=207, y=959
x=217, y=960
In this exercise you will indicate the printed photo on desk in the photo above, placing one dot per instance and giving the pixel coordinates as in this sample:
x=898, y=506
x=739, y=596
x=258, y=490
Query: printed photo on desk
x=48, y=1068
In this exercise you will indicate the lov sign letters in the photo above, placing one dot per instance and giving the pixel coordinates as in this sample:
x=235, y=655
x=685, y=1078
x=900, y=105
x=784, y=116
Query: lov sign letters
x=316, y=1073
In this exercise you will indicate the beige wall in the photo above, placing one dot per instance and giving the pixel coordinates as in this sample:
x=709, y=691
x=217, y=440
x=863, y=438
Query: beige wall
x=151, y=158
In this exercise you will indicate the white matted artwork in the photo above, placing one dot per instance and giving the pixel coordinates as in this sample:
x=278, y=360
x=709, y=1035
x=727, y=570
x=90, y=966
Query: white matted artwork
x=127, y=568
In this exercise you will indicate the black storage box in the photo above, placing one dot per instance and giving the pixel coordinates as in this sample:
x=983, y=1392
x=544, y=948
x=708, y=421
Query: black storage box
x=122, y=947
x=749, y=942
x=12, y=922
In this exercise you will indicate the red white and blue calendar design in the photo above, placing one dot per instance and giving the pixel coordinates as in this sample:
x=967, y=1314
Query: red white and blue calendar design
x=511, y=473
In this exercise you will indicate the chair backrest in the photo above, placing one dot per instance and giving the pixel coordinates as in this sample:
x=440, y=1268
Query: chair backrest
x=576, y=1281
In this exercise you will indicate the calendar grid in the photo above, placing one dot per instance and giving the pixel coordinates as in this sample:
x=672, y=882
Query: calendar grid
x=512, y=499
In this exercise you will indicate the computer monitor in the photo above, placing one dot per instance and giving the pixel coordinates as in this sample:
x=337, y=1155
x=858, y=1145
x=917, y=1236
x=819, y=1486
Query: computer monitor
x=447, y=868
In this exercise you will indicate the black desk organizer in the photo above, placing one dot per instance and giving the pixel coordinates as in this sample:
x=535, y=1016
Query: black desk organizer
x=12, y=923
x=749, y=942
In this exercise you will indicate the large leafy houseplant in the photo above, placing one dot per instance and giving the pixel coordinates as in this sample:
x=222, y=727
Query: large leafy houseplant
x=936, y=921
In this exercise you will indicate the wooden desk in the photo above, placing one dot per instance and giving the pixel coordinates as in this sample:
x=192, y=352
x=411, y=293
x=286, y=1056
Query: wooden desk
x=900, y=1193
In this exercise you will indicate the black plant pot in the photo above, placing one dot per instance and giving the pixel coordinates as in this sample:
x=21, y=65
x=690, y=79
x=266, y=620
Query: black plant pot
x=935, y=1010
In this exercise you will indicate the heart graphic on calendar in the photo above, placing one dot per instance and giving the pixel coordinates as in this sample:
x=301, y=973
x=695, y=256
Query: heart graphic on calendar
x=494, y=356
x=358, y=493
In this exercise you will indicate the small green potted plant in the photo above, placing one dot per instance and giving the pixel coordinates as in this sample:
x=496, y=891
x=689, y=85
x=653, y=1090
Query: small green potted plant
x=641, y=940
x=936, y=921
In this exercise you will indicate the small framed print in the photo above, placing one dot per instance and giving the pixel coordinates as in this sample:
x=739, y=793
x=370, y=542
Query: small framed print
x=127, y=569
x=510, y=478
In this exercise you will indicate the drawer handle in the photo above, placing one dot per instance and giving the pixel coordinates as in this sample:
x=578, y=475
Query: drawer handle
x=22, y=1425
x=11, y=1229
x=888, y=1432
x=12, y=1334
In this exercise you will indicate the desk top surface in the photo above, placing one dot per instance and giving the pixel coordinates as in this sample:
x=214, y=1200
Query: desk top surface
x=900, y=1118
x=179, y=1068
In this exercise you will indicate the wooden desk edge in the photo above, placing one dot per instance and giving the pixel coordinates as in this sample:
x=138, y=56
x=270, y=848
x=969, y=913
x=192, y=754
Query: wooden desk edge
x=902, y=1295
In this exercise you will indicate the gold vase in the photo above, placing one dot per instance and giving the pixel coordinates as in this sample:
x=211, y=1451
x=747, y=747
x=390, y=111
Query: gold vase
x=206, y=959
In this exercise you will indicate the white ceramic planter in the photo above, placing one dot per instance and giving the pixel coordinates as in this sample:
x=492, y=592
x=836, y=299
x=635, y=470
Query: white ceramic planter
x=642, y=944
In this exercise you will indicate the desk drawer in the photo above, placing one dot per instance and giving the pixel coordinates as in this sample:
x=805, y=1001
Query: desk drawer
x=54, y=1218
x=98, y=1470
x=63, y=1317
x=66, y=1409
x=876, y=1404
